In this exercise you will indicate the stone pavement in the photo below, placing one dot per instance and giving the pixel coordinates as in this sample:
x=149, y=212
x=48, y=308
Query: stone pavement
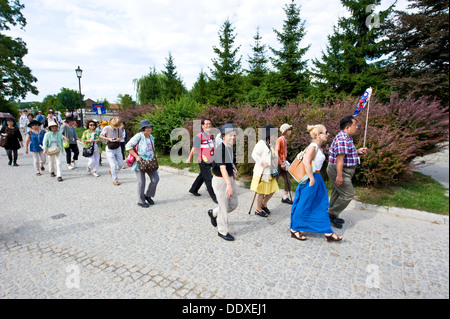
x=85, y=238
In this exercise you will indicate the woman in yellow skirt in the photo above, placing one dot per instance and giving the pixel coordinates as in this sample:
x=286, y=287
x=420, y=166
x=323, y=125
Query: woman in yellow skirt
x=264, y=181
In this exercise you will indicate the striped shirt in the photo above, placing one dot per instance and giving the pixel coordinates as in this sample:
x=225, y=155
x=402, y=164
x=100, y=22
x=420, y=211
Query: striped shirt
x=343, y=144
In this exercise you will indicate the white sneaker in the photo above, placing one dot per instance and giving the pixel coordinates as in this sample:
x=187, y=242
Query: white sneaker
x=95, y=174
x=70, y=167
x=74, y=164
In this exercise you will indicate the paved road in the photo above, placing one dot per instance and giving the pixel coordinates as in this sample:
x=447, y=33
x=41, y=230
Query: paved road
x=105, y=246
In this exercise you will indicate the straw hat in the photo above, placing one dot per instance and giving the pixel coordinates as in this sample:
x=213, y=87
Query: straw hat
x=115, y=122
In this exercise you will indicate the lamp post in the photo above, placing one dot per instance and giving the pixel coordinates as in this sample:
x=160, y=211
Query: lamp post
x=79, y=72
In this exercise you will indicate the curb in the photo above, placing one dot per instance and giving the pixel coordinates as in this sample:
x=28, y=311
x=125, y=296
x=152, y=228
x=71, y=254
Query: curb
x=395, y=211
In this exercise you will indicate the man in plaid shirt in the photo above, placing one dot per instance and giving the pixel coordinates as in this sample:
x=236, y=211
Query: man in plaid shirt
x=343, y=158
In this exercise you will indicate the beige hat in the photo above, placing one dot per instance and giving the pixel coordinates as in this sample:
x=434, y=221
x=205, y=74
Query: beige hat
x=115, y=122
x=285, y=127
x=52, y=123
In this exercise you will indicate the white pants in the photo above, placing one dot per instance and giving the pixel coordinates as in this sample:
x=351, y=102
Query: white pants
x=115, y=161
x=94, y=160
x=52, y=160
x=226, y=205
x=38, y=159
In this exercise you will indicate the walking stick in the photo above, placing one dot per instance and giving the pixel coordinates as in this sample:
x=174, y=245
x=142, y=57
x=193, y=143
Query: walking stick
x=254, y=197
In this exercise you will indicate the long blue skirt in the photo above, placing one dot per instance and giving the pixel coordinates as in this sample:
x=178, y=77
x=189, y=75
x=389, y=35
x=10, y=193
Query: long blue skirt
x=310, y=208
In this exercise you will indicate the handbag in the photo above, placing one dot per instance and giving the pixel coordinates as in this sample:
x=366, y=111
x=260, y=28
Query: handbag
x=297, y=168
x=151, y=165
x=88, y=151
x=54, y=150
x=66, y=144
x=3, y=141
x=130, y=158
x=113, y=145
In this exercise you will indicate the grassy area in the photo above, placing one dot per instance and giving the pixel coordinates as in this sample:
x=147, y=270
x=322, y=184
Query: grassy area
x=419, y=191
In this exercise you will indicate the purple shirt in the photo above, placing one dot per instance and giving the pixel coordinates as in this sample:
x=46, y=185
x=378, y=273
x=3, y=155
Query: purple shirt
x=343, y=144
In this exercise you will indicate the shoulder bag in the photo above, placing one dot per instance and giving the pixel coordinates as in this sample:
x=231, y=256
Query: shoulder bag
x=54, y=150
x=130, y=158
x=297, y=168
x=151, y=165
x=113, y=145
x=3, y=141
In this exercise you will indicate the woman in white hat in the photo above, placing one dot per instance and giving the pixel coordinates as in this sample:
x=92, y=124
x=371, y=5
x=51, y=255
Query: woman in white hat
x=281, y=150
x=53, y=147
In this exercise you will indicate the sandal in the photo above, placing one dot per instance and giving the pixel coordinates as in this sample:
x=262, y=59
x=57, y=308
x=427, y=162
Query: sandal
x=261, y=214
x=333, y=237
x=266, y=210
x=38, y=174
x=298, y=235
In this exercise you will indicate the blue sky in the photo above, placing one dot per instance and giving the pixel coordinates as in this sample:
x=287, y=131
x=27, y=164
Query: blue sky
x=116, y=41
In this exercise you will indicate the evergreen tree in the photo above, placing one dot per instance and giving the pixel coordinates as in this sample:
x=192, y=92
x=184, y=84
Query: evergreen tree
x=226, y=75
x=293, y=78
x=257, y=62
x=419, y=42
x=173, y=86
x=352, y=61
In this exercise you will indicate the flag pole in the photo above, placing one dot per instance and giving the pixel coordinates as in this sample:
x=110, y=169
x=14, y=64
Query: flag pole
x=367, y=122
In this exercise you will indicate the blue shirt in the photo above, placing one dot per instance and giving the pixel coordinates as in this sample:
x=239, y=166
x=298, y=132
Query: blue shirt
x=35, y=141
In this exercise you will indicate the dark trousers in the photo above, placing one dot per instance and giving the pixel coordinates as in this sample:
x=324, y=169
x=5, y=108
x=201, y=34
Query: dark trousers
x=286, y=177
x=72, y=148
x=12, y=155
x=205, y=176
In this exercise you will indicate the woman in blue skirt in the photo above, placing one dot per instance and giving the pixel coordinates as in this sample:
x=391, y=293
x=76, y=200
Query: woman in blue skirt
x=310, y=208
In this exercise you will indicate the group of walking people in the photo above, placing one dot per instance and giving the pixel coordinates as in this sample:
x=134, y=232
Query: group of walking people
x=311, y=211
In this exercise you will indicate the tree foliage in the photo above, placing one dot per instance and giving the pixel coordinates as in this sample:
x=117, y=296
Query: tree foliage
x=16, y=78
x=419, y=43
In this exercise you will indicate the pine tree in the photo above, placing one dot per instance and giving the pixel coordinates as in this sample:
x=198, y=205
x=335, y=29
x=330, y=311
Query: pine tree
x=293, y=78
x=226, y=75
x=419, y=42
x=199, y=90
x=257, y=62
x=352, y=61
x=173, y=86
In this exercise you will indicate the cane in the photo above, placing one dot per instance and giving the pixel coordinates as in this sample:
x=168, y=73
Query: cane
x=254, y=197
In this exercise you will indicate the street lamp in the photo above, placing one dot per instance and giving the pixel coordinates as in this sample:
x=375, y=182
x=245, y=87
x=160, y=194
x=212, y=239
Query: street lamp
x=79, y=72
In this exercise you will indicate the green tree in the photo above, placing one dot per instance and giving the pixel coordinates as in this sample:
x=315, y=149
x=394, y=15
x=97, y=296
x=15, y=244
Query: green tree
x=419, y=42
x=353, y=60
x=257, y=62
x=150, y=87
x=226, y=74
x=173, y=86
x=68, y=99
x=16, y=78
x=199, y=91
x=125, y=101
x=292, y=78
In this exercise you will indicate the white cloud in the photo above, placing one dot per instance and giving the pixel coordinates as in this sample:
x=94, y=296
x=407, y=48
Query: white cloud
x=116, y=41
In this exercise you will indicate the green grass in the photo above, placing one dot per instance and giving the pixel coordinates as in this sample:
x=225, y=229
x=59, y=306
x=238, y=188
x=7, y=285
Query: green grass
x=419, y=192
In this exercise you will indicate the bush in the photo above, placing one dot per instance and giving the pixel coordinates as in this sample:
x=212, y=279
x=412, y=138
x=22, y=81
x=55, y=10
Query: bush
x=398, y=131
x=165, y=118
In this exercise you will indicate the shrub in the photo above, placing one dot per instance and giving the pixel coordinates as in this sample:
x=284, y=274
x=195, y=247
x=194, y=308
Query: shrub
x=398, y=131
x=165, y=118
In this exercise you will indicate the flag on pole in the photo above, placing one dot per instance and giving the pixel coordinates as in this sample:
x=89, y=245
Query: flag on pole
x=363, y=101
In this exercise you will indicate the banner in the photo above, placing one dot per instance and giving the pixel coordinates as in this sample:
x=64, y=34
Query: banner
x=363, y=101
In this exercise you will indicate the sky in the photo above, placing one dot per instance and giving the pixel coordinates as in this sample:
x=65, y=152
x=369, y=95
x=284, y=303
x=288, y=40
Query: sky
x=116, y=41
